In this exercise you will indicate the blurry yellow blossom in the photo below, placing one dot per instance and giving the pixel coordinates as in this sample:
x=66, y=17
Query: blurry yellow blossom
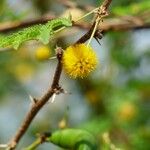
x=92, y=97
x=79, y=60
x=63, y=123
x=23, y=72
x=127, y=111
x=42, y=53
x=75, y=13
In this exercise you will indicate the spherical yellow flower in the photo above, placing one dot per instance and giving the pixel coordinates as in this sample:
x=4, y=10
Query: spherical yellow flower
x=42, y=53
x=79, y=60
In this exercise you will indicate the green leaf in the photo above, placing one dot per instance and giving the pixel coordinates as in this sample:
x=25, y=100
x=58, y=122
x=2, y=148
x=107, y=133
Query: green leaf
x=37, y=32
x=132, y=9
x=45, y=35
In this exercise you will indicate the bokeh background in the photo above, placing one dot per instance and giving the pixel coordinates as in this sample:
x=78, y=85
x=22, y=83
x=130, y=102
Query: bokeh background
x=112, y=103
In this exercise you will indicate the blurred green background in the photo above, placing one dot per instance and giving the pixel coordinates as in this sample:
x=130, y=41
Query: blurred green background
x=113, y=103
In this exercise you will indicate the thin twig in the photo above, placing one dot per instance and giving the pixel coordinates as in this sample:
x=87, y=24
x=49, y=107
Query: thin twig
x=86, y=36
x=39, y=103
x=11, y=26
x=109, y=24
x=73, y=4
x=116, y=25
x=41, y=139
x=3, y=146
x=106, y=4
x=101, y=12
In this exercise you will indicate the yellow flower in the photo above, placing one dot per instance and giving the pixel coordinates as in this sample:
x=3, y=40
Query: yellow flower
x=127, y=111
x=79, y=60
x=42, y=53
x=23, y=72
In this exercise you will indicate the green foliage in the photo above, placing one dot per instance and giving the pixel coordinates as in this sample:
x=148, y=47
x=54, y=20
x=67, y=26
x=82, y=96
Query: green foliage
x=124, y=3
x=132, y=9
x=98, y=125
x=120, y=46
x=140, y=139
x=7, y=13
x=8, y=81
x=38, y=32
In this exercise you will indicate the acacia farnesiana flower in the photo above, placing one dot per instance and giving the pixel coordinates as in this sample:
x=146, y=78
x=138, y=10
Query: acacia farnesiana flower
x=79, y=60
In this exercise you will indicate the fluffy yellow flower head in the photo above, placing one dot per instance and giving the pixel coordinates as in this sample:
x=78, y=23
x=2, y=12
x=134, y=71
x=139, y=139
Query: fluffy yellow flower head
x=79, y=60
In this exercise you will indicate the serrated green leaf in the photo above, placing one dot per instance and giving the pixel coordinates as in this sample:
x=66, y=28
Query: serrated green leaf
x=37, y=32
x=45, y=35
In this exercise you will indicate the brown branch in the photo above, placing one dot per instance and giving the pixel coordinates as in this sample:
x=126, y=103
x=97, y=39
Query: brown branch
x=39, y=103
x=11, y=26
x=116, y=24
x=68, y=3
x=106, y=4
x=102, y=12
x=86, y=36
x=107, y=25
x=98, y=35
x=71, y=4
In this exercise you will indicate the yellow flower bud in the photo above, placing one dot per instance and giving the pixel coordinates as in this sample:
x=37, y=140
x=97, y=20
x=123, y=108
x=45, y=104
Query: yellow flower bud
x=79, y=60
x=42, y=53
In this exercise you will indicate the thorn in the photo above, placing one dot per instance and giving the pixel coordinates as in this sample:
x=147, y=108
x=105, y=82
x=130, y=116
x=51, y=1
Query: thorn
x=3, y=145
x=57, y=46
x=60, y=91
x=97, y=40
x=66, y=92
x=70, y=16
x=99, y=34
x=59, y=51
x=37, y=135
x=53, y=98
x=33, y=100
x=56, y=49
x=54, y=57
x=57, y=92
